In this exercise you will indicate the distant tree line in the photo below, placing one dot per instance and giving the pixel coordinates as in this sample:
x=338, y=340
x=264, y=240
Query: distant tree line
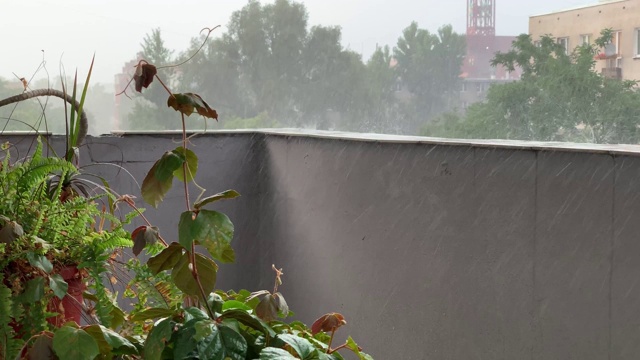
x=271, y=69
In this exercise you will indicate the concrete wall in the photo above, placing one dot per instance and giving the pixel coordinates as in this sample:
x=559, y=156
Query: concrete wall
x=431, y=250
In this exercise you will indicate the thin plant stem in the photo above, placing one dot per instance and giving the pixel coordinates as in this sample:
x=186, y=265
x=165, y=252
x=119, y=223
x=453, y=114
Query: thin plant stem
x=192, y=255
x=333, y=332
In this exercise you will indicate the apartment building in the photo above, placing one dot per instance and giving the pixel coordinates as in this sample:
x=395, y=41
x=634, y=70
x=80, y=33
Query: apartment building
x=572, y=27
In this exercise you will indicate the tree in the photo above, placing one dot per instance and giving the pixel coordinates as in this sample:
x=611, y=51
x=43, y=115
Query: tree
x=270, y=40
x=429, y=67
x=381, y=81
x=333, y=84
x=560, y=97
x=270, y=63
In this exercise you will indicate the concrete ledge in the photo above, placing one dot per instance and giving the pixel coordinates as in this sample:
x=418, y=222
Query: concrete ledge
x=626, y=149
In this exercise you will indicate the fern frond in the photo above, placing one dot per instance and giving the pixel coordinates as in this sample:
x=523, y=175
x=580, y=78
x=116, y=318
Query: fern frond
x=38, y=171
x=9, y=346
x=113, y=242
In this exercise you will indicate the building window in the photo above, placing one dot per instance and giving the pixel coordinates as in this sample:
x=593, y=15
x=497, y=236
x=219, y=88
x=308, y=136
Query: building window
x=617, y=40
x=464, y=86
x=585, y=39
x=564, y=41
x=636, y=51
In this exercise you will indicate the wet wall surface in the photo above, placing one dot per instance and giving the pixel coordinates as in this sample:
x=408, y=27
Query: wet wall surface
x=430, y=250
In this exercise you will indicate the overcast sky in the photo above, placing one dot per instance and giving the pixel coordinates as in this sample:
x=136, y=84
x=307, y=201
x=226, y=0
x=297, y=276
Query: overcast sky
x=70, y=31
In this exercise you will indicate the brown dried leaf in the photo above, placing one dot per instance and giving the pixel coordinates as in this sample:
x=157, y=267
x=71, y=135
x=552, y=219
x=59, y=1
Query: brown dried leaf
x=144, y=76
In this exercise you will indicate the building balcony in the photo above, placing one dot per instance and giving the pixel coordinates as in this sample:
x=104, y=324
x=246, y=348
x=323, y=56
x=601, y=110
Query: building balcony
x=612, y=73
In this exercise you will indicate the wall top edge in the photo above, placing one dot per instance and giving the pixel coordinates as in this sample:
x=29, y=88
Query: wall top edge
x=622, y=149
x=404, y=139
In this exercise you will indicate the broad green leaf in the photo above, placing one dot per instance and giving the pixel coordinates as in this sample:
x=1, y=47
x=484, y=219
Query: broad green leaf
x=185, y=344
x=192, y=164
x=228, y=194
x=183, y=278
x=34, y=290
x=194, y=313
x=39, y=261
x=110, y=341
x=153, y=190
x=204, y=329
x=356, y=349
x=211, y=229
x=235, y=304
x=303, y=347
x=58, y=285
x=334, y=356
x=157, y=339
x=267, y=309
x=168, y=164
x=249, y=320
x=166, y=260
x=187, y=103
x=220, y=342
x=74, y=344
x=271, y=353
x=153, y=313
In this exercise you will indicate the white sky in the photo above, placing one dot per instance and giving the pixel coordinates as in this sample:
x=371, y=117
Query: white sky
x=70, y=31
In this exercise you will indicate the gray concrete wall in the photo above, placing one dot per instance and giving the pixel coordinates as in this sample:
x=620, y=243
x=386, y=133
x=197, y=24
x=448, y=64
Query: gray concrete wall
x=431, y=250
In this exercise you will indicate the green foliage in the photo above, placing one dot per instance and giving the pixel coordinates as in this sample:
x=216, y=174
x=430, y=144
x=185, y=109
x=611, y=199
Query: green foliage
x=429, y=66
x=73, y=343
x=176, y=312
x=561, y=97
x=272, y=69
x=52, y=227
x=8, y=344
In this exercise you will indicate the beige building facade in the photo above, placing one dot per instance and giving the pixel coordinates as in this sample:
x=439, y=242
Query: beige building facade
x=573, y=27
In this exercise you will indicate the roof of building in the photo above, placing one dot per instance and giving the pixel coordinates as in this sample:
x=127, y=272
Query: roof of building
x=601, y=3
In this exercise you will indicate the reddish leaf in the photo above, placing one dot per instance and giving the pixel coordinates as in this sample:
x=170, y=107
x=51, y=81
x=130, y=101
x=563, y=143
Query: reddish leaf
x=142, y=236
x=144, y=76
x=328, y=322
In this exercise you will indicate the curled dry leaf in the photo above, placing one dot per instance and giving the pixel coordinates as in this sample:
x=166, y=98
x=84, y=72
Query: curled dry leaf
x=144, y=76
x=10, y=231
x=328, y=322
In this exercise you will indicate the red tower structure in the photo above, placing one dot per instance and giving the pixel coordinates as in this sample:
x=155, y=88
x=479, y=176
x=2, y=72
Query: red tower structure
x=481, y=38
x=483, y=43
x=481, y=18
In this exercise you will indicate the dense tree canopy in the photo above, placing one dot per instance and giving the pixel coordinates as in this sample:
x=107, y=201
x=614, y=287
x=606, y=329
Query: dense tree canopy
x=272, y=69
x=561, y=97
